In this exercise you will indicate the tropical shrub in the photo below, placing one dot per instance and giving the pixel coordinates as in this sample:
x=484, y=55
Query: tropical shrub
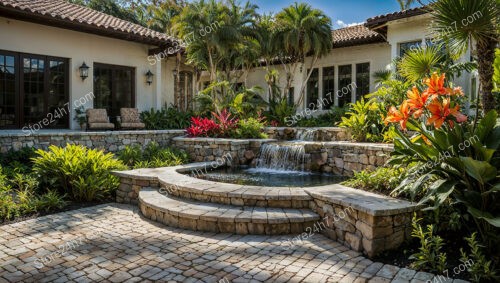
x=480, y=269
x=152, y=156
x=429, y=256
x=383, y=179
x=364, y=122
x=329, y=119
x=453, y=162
x=166, y=118
x=202, y=127
x=251, y=128
x=82, y=173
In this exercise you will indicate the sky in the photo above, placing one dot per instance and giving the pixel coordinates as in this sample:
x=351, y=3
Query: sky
x=342, y=12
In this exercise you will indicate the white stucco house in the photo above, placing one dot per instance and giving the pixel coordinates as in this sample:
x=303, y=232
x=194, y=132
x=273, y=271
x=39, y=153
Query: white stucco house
x=46, y=43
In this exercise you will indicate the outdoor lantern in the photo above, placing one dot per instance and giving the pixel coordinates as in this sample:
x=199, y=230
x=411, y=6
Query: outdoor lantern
x=149, y=77
x=84, y=71
x=175, y=72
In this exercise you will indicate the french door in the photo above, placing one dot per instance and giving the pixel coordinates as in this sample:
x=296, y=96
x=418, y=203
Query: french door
x=34, y=90
x=114, y=88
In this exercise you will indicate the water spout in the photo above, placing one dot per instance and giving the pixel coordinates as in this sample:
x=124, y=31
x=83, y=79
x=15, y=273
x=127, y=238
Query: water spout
x=282, y=157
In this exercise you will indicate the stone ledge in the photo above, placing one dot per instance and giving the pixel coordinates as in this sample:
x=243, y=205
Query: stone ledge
x=368, y=202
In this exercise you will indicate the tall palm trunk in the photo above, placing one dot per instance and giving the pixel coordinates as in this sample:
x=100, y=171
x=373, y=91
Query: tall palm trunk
x=486, y=56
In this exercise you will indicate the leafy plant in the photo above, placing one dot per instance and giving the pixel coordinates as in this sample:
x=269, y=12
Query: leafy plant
x=383, y=179
x=457, y=163
x=74, y=168
x=429, y=255
x=250, y=128
x=166, y=118
x=51, y=200
x=203, y=127
x=152, y=156
x=329, y=119
x=480, y=269
x=130, y=155
x=364, y=121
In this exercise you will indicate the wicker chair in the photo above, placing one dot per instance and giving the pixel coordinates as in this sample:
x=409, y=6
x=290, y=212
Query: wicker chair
x=130, y=119
x=97, y=119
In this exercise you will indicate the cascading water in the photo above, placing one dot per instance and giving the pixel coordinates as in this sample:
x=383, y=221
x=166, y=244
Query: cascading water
x=305, y=135
x=281, y=157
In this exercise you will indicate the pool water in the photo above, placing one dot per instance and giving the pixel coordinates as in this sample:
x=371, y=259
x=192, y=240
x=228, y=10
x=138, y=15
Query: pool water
x=270, y=177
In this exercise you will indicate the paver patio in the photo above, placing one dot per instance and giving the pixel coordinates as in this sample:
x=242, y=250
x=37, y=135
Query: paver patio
x=114, y=243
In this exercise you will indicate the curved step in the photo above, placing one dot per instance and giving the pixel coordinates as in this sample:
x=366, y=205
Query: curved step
x=179, y=185
x=211, y=217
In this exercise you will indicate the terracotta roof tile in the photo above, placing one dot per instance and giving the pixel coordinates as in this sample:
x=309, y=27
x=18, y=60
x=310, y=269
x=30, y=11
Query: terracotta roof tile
x=355, y=35
x=381, y=19
x=67, y=15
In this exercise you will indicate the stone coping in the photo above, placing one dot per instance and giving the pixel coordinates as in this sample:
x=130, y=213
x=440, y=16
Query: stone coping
x=50, y=133
x=361, y=145
x=368, y=202
x=222, y=140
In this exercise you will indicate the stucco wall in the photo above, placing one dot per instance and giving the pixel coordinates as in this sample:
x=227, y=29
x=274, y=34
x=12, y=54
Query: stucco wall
x=32, y=38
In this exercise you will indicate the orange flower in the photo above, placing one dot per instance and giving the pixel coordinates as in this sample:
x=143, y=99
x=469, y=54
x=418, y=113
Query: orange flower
x=400, y=115
x=417, y=101
x=436, y=85
x=440, y=112
x=455, y=91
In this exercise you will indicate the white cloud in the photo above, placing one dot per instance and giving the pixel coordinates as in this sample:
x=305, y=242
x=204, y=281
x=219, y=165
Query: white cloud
x=342, y=24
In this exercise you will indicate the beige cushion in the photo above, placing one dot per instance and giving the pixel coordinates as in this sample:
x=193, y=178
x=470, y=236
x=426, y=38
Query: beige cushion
x=133, y=125
x=130, y=115
x=97, y=116
x=94, y=126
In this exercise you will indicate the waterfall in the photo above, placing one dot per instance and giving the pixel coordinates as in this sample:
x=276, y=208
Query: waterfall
x=279, y=157
x=305, y=135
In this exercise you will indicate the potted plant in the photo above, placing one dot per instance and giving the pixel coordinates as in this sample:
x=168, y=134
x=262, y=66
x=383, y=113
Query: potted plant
x=81, y=117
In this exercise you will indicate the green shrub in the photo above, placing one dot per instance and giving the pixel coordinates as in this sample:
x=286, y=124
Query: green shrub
x=364, y=121
x=329, y=119
x=51, y=200
x=64, y=168
x=250, y=128
x=166, y=118
x=383, y=179
x=429, y=255
x=152, y=156
x=480, y=269
x=17, y=161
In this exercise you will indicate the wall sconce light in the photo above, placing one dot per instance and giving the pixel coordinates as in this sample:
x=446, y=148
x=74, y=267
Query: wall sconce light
x=84, y=71
x=149, y=77
x=175, y=72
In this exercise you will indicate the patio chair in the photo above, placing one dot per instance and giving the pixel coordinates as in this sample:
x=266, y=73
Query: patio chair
x=130, y=119
x=97, y=119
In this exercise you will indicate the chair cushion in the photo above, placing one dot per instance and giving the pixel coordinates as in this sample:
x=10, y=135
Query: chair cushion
x=133, y=125
x=130, y=115
x=93, y=126
x=97, y=116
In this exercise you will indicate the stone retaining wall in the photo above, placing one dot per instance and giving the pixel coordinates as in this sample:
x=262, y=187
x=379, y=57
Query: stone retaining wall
x=318, y=134
x=109, y=141
x=128, y=191
x=228, y=151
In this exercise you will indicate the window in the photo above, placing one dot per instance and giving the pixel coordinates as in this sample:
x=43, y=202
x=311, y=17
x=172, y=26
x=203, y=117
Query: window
x=184, y=91
x=313, y=89
x=328, y=87
x=406, y=46
x=291, y=96
x=113, y=88
x=345, y=89
x=33, y=91
x=362, y=80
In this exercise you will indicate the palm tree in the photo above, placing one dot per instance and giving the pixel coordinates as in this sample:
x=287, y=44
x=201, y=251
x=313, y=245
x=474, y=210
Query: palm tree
x=160, y=15
x=405, y=4
x=464, y=23
x=301, y=32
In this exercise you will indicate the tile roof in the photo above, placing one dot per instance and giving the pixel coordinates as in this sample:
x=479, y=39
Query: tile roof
x=382, y=19
x=60, y=13
x=355, y=35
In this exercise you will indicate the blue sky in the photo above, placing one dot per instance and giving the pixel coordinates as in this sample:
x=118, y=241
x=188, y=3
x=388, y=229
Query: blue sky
x=342, y=12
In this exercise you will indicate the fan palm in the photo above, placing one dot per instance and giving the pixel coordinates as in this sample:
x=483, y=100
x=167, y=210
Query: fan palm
x=405, y=4
x=420, y=62
x=302, y=31
x=461, y=23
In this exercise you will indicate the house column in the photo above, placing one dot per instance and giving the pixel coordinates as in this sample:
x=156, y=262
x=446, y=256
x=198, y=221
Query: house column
x=158, y=85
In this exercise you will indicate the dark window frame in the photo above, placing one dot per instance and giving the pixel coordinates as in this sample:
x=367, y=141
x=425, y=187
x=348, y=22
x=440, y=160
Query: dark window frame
x=359, y=86
x=345, y=98
x=113, y=69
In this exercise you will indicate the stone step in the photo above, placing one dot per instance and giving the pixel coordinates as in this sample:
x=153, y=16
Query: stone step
x=212, y=217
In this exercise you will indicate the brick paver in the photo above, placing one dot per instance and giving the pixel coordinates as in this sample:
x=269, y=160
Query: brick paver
x=113, y=243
